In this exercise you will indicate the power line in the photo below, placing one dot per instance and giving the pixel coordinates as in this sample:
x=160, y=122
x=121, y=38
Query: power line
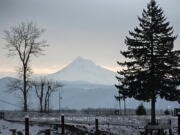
x=10, y=103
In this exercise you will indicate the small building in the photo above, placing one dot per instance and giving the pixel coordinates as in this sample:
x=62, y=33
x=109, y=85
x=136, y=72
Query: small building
x=176, y=111
x=158, y=129
x=1, y=115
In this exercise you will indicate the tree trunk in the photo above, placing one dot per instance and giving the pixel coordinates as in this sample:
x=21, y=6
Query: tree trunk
x=124, y=106
x=45, y=105
x=48, y=97
x=153, y=113
x=25, y=101
x=46, y=102
x=41, y=97
x=41, y=106
x=25, y=90
x=119, y=107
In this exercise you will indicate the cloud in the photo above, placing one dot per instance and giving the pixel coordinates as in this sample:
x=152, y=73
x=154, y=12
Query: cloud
x=91, y=28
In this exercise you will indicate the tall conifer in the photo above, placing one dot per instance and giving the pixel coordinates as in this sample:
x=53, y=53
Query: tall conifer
x=152, y=66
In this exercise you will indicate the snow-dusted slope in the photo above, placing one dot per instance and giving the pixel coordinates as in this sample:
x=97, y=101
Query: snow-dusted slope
x=7, y=97
x=77, y=95
x=84, y=70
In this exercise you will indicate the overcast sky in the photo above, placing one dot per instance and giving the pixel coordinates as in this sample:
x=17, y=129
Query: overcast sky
x=93, y=29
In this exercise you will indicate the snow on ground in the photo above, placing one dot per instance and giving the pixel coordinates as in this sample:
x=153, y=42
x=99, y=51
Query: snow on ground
x=119, y=125
x=116, y=125
x=5, y=127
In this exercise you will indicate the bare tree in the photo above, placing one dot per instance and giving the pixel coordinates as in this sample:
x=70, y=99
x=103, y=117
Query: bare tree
x=23, y=40
x=44, y=89
x=51, y=87
x=119, y=98
x=39, y=90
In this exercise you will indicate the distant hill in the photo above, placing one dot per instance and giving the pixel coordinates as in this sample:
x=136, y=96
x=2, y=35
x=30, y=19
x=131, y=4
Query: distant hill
x=76, y=95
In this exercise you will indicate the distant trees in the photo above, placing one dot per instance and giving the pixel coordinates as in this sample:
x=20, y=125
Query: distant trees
x=119, y=98
x=152, y=66
x=17, y=86
x=44, y=89
x=23, y=40
x=141, y=110
x=39, y=90
x=166, y=112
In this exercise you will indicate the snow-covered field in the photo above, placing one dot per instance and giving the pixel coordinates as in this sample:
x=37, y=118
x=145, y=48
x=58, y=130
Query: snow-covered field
x=122, y=125
x=116, y=125
x=6, y=126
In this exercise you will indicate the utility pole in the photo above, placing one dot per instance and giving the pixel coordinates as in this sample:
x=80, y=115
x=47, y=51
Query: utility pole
x=119, y=104
x=60, y=97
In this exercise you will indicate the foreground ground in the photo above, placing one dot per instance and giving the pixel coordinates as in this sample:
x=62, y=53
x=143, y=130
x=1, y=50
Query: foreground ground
x=82, y=125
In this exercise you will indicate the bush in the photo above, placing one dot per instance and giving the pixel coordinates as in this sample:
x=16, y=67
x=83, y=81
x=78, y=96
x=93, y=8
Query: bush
x=166, y=112
x=19, y=133
x=141, y=110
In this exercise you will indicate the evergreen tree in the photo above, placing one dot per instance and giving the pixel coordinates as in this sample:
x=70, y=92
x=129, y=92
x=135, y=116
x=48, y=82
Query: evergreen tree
x=152, y=66
x=140, y=110
x=166, y=112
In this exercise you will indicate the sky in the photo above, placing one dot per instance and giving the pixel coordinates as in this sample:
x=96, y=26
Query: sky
x=93, y=29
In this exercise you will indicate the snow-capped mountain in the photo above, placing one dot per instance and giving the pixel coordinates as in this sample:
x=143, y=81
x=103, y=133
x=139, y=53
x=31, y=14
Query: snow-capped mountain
x=84, y=70
x=86, y=85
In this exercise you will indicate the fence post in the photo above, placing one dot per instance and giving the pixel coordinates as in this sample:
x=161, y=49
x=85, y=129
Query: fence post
x=178, y=124
x=96, y=126
x=48, y=132
x=26, y=126
x=170, y=132
x=62, y=124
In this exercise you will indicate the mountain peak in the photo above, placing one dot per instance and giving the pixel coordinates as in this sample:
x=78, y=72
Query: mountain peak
x=81, y=59
x=82, y=69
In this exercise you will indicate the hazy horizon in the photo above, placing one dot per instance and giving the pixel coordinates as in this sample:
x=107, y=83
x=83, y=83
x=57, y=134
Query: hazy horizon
x=15, y=74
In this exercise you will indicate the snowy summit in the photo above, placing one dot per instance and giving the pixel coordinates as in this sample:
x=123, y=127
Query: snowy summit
x=84, y=70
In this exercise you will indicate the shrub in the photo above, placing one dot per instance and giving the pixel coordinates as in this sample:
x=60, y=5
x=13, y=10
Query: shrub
x=19, y=133
x=166, y=112
x=141, y=110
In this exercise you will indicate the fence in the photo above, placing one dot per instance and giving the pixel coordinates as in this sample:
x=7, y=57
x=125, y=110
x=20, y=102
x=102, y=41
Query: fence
x=94, y=122
x=48, y=132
